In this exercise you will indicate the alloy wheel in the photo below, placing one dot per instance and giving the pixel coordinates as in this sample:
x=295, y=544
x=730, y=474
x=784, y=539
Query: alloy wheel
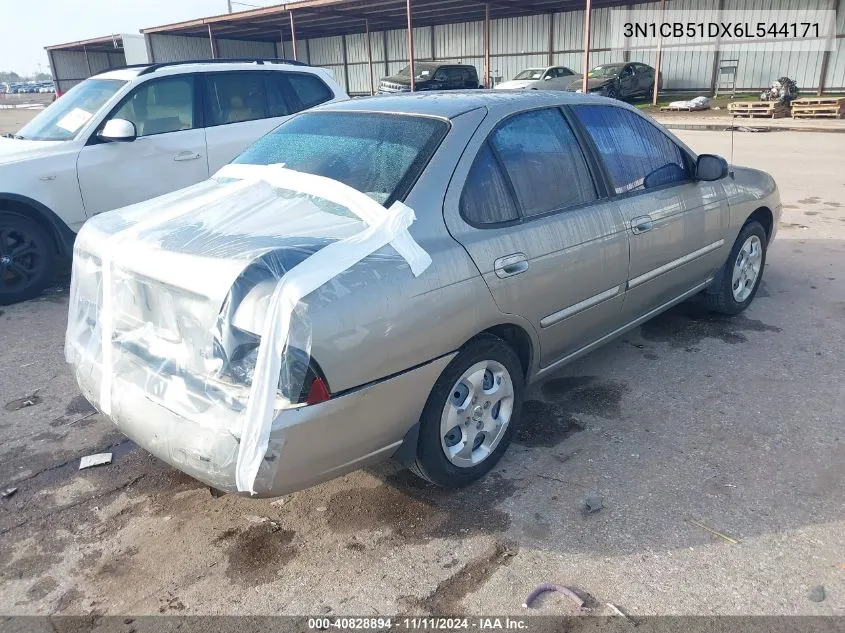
x=746, y=269
x=21, y=258
x=477, y=413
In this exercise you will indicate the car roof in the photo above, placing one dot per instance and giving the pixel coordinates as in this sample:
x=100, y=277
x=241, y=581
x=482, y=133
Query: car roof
x=179, y=68
x=452, y=103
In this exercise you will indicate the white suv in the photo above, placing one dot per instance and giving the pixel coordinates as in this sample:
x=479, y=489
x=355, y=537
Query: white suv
x=129, y=135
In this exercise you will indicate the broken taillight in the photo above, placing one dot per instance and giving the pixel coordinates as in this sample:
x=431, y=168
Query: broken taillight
x=318, y=392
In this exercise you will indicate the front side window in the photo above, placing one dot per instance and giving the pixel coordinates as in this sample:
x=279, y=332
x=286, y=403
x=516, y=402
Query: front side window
x=544, y=162
x=379, y=154
x=160, y=106
x=309, y=89
x=638, y=155
x=235, y=97
x=68, y=114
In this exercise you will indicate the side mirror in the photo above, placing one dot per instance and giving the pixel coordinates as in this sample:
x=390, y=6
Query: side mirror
x=547, y=78
x=118, y=131
x=710, y=167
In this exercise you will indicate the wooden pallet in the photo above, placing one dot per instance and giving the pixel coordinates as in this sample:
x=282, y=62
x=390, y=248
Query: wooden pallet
x=818, y=108
x=818, y=115
x=758, y=109
x=822, y=101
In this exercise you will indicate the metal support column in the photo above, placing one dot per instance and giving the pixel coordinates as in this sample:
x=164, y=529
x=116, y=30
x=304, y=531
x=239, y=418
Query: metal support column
x=211, y=41
x=431, y=33
x=293, y=35
x=345, y=63
x=87, y=61
x=586, y=64
x=384, y=46
x=714, y=76
x=410, y=45
x=370, y=57
x=487, y=45
x=659, y=59
x=551, y=39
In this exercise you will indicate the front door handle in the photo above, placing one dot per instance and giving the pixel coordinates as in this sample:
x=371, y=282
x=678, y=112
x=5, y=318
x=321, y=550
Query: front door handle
x=642, y=224
x=186, y=156
x=510, y=265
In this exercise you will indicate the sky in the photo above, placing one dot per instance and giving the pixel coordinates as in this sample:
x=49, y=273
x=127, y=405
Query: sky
x=31, y=25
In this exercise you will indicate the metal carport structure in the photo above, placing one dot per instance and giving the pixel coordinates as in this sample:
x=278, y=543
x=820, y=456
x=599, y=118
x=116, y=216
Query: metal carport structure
x=365, y=33
x=76, y=61
x=362, y=40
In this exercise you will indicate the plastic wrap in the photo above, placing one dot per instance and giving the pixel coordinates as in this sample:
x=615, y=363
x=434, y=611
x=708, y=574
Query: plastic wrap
x=155, y=326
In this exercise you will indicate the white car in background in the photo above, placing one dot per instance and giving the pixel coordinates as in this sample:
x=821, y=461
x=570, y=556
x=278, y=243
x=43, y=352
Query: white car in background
x=547, y=78
x=128, y=135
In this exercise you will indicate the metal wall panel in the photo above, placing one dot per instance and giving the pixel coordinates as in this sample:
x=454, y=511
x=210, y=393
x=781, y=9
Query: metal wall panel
x=244, y=48
x=359, y=79
x=529, y=34
x=835, y=79
x=456, y=42
x=174, y=48
x=71, y=66
x=397, y=44
x=325, y=50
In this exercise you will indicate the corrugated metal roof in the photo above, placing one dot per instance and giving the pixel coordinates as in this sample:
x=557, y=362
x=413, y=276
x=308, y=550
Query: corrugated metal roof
x=321, y=18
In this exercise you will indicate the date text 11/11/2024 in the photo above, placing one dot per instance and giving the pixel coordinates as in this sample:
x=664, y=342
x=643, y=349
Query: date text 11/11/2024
x=734, y=30
x=417, y=624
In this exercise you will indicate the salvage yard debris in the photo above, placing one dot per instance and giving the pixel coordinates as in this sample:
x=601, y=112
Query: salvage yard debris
x=546, y=587
x=593, y=503
x=98, y=459
x=816, y=594
x=730, y=540
x=699, y=103
x=8, y=492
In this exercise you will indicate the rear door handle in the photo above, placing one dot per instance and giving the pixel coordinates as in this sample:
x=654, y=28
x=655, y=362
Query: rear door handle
x=510, y=265
x=642, y=224
x=186, y=156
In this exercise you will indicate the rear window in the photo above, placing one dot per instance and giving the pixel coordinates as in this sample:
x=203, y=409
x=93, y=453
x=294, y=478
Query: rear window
x=379, y=154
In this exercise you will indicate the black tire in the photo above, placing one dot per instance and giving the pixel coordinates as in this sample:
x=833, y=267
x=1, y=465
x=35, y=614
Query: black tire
x=611, y=93
x=720, y=296
x=431, y=462
x=27, y=258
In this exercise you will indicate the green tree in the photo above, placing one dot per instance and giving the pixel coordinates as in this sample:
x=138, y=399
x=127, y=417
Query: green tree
x=9, y=76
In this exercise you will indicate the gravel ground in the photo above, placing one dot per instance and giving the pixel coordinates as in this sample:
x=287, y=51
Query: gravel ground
x=733, y=423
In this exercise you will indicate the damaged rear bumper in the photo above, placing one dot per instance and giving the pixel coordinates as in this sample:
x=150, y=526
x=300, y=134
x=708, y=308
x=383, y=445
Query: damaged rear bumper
x=308, y=445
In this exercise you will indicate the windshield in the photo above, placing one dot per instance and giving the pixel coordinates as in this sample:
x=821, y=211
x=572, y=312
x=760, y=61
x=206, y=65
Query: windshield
x=379, y=154
x=421, y=71
x=608, y=70
x=531, y=73
x=68, y=114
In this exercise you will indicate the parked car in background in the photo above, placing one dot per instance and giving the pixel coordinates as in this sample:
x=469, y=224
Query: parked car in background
x=128, y=135
x=620, y=81
x=548, y=78
x=431, y=76
x=555, y=222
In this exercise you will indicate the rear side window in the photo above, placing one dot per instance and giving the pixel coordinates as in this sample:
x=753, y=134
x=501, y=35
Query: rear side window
x=235, y=97
x=486, y=198
x=278, y=94
x=544, y=162
x=309, y=89
x=637, y=154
